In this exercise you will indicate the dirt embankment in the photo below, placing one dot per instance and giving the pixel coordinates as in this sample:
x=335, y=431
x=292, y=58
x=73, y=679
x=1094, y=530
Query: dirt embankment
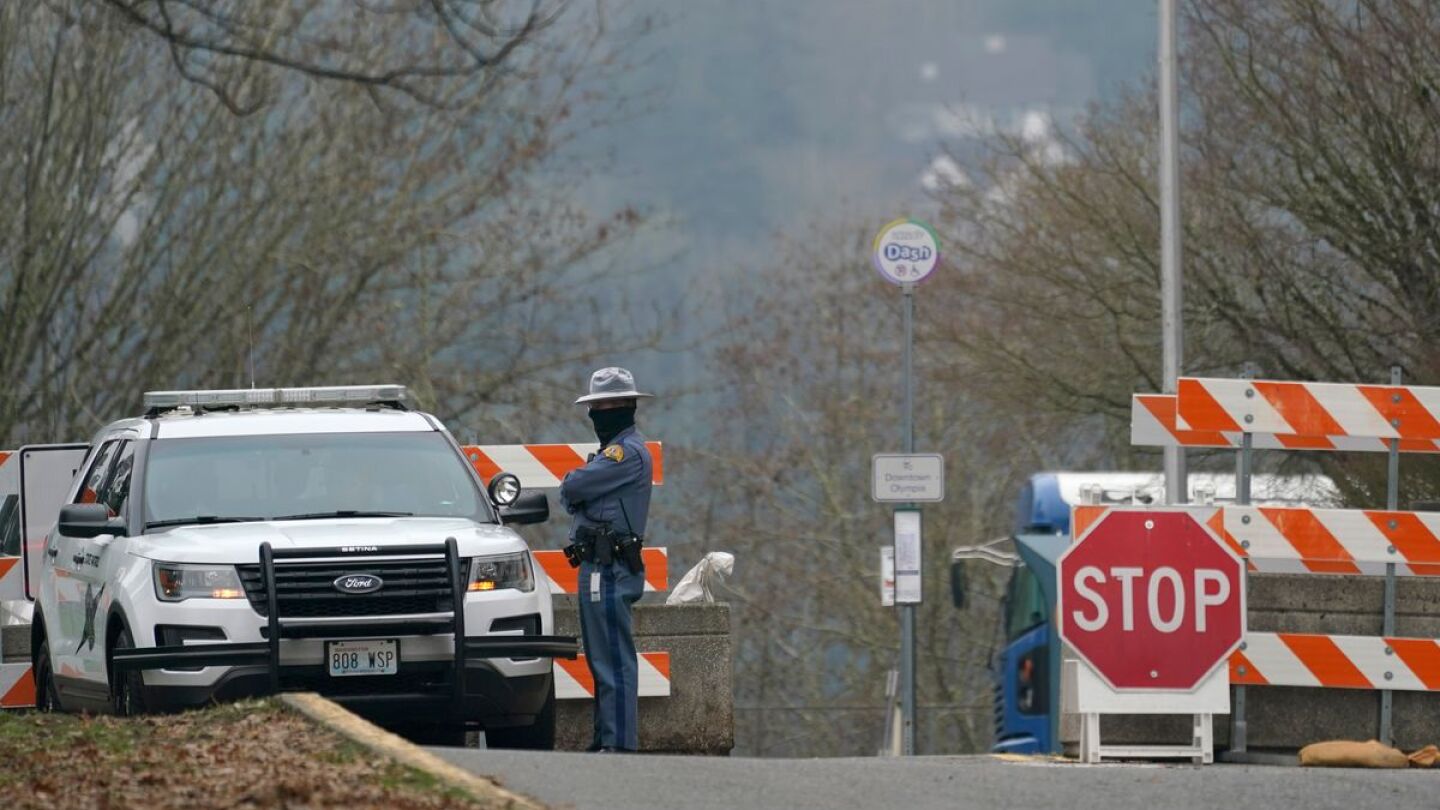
x=247, y=755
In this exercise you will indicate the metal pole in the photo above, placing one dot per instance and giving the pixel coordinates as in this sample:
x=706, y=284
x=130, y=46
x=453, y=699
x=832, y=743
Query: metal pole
x=890, y=735
x=908, y=291
x=1239, y=728
x=1171, y=290
x=907, y=611
x=1392, y=503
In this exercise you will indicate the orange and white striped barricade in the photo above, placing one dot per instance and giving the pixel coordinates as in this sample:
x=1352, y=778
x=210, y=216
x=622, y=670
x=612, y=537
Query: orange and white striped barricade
x=12, y=574
x=17, y=688
x=566, y=580
x=1303, y=540
x=1307, y=540
x=12, y=579
x=1154, y=422
x=542, y=466
x=1341, y=410
x=572, y=678
x=1337, y=662
x=574, y=681
x=1336, y=541
x=1287, y=415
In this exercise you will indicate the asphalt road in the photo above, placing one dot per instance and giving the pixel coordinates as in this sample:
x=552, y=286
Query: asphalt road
x=640, y=782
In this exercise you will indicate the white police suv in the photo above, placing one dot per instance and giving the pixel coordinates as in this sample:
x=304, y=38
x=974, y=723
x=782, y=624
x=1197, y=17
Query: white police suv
x=233, y=543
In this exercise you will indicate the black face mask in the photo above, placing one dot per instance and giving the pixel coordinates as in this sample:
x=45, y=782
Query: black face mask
x=611, y=421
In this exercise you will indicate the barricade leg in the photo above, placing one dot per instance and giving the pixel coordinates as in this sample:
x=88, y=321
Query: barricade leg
x=1089, y=697
x=1090, y=738
x=1204, y=738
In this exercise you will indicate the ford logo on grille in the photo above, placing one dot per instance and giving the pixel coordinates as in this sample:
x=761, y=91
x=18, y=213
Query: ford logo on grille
x=358, y=583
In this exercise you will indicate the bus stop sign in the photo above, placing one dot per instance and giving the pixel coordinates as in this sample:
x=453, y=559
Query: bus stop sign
x=1151, y=599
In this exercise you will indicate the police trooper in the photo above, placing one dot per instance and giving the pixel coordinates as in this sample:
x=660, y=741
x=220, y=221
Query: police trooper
x=609, y=498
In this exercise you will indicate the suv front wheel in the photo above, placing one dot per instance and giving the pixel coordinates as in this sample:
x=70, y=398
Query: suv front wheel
x=127, y=695
x=538, y=736
x=440, y=735
x=47, y=698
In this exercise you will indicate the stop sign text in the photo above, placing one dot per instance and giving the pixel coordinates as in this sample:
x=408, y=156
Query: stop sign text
x=1165, y=597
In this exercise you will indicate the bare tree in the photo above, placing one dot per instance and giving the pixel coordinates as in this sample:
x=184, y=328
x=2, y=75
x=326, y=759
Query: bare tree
x=1310, y=151
x=434, y=52
x=811, y=384
x=1310, y=163
x=153, y=239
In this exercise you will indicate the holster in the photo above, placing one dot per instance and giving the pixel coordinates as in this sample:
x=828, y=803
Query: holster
x=628, y=551
x=593, y=544
x=605, y=549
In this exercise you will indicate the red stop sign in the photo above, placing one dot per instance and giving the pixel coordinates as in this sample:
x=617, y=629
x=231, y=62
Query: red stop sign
x=1151, y=599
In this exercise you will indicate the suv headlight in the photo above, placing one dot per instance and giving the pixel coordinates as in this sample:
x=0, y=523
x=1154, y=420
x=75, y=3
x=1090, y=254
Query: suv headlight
x=501, y=571
x=177, y=581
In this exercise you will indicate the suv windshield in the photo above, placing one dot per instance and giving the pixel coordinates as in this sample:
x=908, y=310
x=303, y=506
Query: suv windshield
x=309, y=475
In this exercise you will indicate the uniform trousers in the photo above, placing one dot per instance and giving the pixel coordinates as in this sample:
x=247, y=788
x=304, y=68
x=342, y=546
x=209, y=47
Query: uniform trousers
x=606, y=594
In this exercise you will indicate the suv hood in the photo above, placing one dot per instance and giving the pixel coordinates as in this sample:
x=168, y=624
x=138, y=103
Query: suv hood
x=240, y=542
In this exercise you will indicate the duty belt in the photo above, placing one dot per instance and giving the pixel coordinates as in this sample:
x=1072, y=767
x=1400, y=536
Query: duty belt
x=602, y=545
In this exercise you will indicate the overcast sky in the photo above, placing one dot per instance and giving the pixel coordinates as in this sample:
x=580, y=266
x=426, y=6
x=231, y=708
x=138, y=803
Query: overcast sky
x=768, y=111
x=766, y=115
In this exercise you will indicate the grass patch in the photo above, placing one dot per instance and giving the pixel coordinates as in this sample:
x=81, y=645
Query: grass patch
x=244, y=754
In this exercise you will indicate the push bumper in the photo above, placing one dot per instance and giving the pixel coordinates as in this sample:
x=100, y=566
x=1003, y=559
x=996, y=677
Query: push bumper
x=465, y=685
x=491, y=700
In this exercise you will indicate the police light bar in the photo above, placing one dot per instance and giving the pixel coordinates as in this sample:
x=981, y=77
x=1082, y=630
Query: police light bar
x=232, y=397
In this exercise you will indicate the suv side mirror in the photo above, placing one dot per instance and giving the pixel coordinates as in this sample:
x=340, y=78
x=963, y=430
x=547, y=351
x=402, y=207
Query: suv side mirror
x=957, y=583
x=530, y=507
x=89, y=520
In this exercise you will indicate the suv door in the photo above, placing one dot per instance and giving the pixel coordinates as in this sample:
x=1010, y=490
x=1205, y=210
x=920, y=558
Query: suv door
x=48, y=472
x=65, y=619
x=95, y=562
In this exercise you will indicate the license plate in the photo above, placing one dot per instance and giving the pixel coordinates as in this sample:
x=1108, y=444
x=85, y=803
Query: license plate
x=368, y=657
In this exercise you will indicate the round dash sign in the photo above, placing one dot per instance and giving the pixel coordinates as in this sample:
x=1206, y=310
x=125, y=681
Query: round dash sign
x=906, y=251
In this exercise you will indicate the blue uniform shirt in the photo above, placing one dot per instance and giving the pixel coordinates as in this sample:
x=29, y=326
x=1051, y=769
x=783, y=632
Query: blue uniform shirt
x=620, y=473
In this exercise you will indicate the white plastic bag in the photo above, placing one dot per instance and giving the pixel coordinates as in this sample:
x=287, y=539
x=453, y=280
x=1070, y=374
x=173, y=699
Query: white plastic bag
x=695, y=585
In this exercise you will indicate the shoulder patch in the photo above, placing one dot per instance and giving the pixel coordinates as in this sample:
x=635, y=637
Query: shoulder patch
x=614, y=452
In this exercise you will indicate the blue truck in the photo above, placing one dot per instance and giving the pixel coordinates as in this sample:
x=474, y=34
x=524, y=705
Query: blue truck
x=1026, y=666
